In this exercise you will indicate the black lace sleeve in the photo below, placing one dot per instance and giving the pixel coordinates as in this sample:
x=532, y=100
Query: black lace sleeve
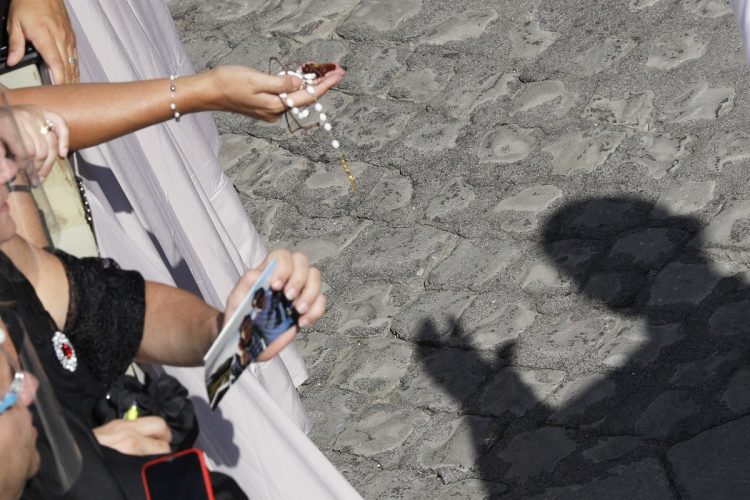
x=106, y=314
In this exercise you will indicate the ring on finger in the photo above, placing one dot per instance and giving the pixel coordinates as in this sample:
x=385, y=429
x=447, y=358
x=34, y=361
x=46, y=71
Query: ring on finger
x=47, y=127
x=72, y=60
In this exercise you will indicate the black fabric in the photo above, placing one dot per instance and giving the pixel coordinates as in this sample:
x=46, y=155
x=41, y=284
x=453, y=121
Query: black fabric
x=106, y=314
x=105, y=325
x=161, y=395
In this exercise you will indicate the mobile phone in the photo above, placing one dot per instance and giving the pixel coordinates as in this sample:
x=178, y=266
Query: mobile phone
x=182, y=475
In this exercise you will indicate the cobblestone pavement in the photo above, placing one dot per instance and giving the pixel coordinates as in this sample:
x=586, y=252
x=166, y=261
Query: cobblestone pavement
x=540, y=289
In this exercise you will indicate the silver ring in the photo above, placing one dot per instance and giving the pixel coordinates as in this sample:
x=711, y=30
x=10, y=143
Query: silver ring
x=72, y=60
x=48, y=125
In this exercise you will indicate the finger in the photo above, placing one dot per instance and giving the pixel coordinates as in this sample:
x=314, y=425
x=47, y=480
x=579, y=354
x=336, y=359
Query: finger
x=144, y=445
x=313, y=92
x=16, y=44
x=51, y=154
x=51, y=53
x=153, y=427
x=277, y=84
x=62, y=131
x=317, y=310
x=283, y=269
x=310, y=291
x=296, y=281
x=76, y=78
x=278, y=345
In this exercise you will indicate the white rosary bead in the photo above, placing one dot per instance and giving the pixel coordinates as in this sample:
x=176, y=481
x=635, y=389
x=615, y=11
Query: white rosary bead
x=310, y=90
x=327, y=127
x=335, y=144
x=289, y=102
x=310, y=76
x=322, y=118
x=304, y=113
x=295, y=111
x=283, y=95
x=318, y=107
x=173, y=106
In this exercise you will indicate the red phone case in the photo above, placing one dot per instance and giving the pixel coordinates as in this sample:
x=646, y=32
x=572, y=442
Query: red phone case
x=201, y=459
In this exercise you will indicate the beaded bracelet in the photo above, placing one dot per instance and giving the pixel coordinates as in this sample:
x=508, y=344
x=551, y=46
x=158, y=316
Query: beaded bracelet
x=172, y=90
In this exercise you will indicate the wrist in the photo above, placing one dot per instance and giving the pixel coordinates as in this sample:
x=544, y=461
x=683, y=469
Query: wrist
x=200, y=92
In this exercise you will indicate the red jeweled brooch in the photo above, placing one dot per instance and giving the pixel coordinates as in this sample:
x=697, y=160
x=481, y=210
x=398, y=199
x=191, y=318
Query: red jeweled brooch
x=64, y=351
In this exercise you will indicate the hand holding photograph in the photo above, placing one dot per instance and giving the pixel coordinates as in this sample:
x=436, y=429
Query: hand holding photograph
x=262, y=317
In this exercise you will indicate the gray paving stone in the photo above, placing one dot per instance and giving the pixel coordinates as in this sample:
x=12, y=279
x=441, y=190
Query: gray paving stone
x=697, y=373
x=604, y=54
x=664, y=413
x=646, y=479
x=504, y=394
x=454, y=196
x=683, y=283
x=737, y=395
x=374, y=366
x=472, y=264
x=507, y=144
x=426, y=388
x=648, y=248
x=458, y=449
x=662, y=153
x=669, y=53
x=380, y=432
x=583, y=151
x=638, y=343
x=398, y=252
x=699, y=102
x=721, y=471
x=491, y=323
x=577, y=396
x=532, y=453
x=731, y=319
x=633, y=110
x=611, y=448
x=550, y=95
x=686, y=198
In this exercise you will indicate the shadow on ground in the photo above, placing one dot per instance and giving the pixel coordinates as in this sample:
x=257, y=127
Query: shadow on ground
x=657, y=412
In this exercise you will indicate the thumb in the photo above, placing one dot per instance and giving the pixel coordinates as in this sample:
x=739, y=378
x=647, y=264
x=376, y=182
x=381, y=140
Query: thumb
x=16, y=44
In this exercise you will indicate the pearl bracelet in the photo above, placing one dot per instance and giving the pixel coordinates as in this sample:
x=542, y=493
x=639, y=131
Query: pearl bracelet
x=172, y=90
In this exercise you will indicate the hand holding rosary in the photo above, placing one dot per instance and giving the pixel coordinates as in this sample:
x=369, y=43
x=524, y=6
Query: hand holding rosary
x=296, y=116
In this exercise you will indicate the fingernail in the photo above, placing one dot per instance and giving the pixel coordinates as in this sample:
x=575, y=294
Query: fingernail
x=301, y=307
x=290, y=294
x=303, y=322
x=276, y=285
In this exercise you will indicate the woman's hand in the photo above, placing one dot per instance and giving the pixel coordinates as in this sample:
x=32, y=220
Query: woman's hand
x=45, y=138
x=142, y=436
x=300, y=282
x=256, y=94
x=44, y=23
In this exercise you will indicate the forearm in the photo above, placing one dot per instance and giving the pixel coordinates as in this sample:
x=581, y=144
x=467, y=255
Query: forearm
x=179, y=327
x=98, y=112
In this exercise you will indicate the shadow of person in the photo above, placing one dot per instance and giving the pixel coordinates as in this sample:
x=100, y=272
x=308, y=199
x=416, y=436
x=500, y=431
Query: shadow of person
x=634, y=382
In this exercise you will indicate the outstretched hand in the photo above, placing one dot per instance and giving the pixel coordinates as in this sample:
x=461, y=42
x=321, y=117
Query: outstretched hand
x=300, y=283
x=256, y=94
x=44, y=23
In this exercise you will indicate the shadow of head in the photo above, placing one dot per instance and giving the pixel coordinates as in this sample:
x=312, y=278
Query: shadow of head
x=611, y=247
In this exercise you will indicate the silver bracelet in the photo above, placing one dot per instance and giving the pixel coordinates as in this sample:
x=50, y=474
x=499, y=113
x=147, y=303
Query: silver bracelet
x=172, y=90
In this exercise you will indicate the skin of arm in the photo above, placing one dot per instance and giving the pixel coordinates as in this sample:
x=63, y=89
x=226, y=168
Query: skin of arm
x=93, y=116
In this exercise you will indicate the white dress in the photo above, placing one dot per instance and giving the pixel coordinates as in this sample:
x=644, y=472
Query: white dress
x=162, y=205
x=742, y=11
